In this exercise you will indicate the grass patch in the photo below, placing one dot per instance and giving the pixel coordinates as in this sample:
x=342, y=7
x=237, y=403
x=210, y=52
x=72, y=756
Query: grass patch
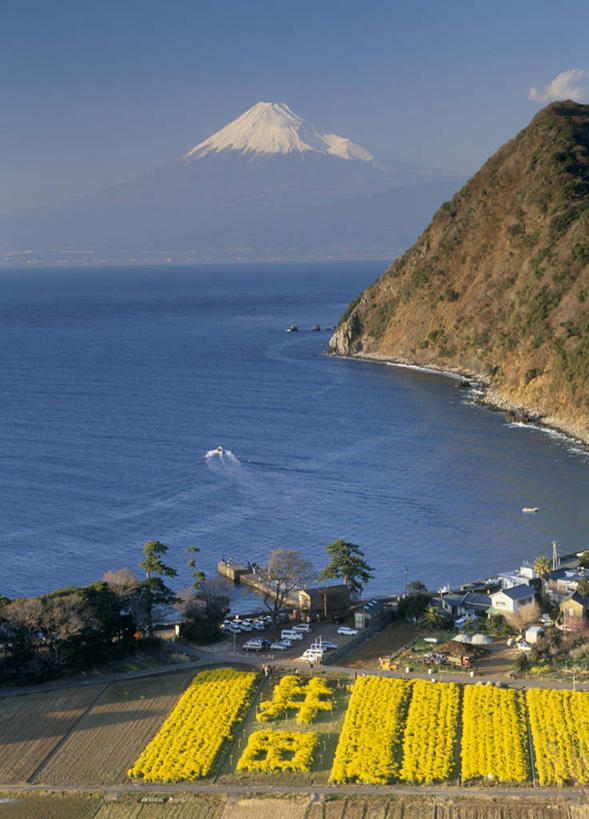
x=49, y=806
x=178, y=806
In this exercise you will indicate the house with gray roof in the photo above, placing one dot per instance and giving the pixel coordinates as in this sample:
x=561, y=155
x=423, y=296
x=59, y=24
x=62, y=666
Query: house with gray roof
x=561, y=583
x=459, y=604
x=510, y=601
x=575, y=608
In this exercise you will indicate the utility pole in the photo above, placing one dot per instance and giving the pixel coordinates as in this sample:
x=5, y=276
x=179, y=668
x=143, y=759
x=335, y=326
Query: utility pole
x=555, y=560
x=405, y=581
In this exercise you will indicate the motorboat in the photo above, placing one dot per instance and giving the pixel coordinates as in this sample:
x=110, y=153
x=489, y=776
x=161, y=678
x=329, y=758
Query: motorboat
x=528, y=509
x=219, y=450
x=292, y=329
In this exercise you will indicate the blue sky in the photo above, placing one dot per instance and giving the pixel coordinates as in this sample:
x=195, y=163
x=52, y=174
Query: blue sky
x=95, y=93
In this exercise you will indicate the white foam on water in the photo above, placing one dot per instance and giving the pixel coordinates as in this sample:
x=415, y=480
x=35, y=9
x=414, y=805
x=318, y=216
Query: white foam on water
x=572, y=445
x=217, y=460
x=417, y=368
x=212, y=453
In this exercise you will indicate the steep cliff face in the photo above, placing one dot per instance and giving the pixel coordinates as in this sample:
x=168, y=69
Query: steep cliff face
x=498, y=285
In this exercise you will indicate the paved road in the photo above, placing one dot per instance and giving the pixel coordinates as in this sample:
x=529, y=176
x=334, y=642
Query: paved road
x=575, y=795
x=206, y=657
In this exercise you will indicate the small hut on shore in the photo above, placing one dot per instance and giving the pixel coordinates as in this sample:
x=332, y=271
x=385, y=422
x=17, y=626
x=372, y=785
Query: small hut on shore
x=325, y=601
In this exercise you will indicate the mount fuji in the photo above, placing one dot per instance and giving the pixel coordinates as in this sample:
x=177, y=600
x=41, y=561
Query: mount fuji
x=271, y=128
x=269, y=185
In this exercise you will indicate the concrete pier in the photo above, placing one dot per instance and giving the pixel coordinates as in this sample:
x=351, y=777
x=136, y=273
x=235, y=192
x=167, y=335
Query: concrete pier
x=257, y=582
x=232, y=571
x=238, y=573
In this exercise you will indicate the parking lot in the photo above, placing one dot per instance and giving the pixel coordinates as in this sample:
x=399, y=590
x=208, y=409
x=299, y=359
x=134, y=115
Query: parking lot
x=322, y=631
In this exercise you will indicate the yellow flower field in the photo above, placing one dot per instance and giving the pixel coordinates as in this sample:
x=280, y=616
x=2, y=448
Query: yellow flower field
x=292, y=694
x=559, y=722
x=494, y=735
x=190, y=739
x=278, y=751
x=431, y=731
x=370, y=742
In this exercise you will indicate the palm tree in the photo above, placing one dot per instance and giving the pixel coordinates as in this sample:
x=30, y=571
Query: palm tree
x=434, y=617
x=542, y=566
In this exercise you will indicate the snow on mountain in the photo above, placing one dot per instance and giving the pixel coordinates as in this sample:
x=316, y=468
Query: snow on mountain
x=272, y=128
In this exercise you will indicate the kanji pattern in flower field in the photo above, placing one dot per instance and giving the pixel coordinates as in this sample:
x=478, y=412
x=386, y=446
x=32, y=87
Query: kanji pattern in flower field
x=278, y=751
x=292, y=694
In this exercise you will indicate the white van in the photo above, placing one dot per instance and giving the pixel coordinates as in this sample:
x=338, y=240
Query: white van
x=305, y=628
x=291, y=634
x=313, y=655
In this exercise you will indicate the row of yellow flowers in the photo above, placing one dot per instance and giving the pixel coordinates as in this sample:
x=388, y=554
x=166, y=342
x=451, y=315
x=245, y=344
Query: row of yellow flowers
x=559, y=722
x=190, y=739
x=292, y=694
x=494, y=735
x=369, y=746
x=431, y=732
x=268, y=751
x=393, y=730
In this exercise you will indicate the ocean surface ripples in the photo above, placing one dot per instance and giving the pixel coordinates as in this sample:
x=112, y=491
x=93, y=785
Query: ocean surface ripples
x=117, y=383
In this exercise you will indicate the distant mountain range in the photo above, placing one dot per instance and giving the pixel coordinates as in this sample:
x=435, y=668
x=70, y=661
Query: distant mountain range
x=267, y=185
x=497, y=287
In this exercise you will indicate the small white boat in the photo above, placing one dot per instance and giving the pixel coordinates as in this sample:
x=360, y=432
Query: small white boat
x=528, y=509
x=220, y=450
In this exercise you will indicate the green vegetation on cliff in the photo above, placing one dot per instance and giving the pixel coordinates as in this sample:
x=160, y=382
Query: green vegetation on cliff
x=498, y=283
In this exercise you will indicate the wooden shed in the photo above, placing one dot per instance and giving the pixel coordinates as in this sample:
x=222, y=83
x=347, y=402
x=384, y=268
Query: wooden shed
x=325, y=601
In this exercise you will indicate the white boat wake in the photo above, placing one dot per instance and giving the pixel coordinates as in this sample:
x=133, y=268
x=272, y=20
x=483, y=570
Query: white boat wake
x=222, y=454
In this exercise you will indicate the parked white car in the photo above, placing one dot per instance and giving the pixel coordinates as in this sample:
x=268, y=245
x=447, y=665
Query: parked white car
x=304, y=627
x=351, y=632
x=254, y=645
x=290, y=634
x=280, y=645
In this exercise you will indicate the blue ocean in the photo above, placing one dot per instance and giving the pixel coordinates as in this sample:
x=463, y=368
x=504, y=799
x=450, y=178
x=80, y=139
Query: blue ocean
x=116, y=383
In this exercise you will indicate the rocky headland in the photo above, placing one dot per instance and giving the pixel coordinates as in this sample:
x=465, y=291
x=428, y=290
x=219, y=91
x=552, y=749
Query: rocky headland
x=497, y=286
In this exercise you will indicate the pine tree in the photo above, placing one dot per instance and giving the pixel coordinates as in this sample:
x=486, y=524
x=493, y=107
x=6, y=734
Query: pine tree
x=347, y=562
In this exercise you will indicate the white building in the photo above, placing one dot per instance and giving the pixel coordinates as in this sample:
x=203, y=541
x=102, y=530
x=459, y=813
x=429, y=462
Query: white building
x=533, y=633
x=518, y=577
x=510, y=601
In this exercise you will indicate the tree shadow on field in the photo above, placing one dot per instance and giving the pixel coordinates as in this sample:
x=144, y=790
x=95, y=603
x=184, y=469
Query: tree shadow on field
x=55, y=725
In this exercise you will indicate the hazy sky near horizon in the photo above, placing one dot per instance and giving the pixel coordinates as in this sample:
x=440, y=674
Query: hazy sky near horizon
x=96, y=93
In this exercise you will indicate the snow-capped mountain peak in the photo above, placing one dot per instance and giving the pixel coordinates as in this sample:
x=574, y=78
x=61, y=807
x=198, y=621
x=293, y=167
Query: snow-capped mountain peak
x=273, y=128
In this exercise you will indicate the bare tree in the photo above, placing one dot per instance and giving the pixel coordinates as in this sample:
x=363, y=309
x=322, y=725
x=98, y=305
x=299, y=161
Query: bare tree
x=203, y=611
x=21, y=623
x=62, y=618
x=287, y=570
x=525, y=616
x=122, y=581
x=47, y=622
x=125, y=585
